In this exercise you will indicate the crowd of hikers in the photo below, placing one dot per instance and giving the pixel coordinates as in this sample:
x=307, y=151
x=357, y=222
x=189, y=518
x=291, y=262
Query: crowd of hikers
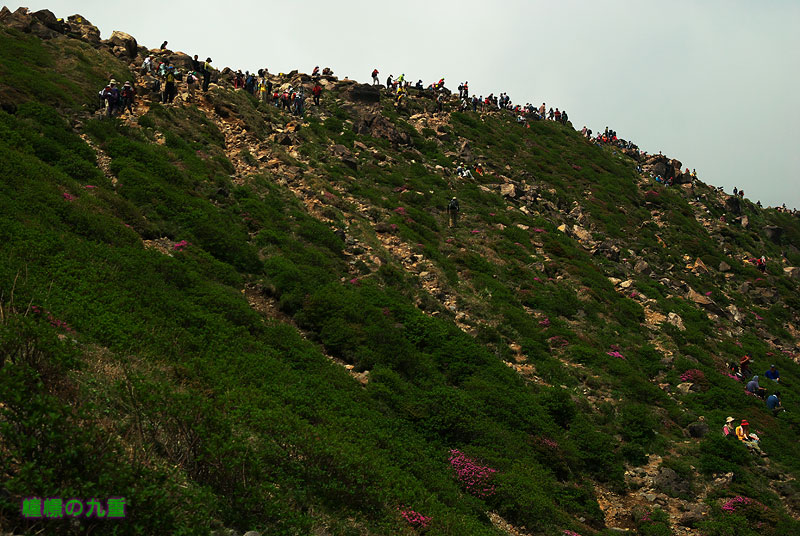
x=772, y=401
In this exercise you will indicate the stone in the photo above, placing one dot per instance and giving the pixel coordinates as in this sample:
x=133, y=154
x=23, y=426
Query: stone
x=734, y=314
x=722, y=480
x=745, y=222
x=699, y=266
x=562, y=228
x=375, y=125
x=614, y=281
x=668, y=481
x=626, y=284
x=508, y=190
x=608, y=250
x=127, y=41
x=675, y=320
x=252, y=533
x=774, y=233
x=83, y=29
x=581, y=233
x=685, y=387
x=724, y=266
x=363, y=93
x=695, y=514
x=792, y=271
x=698, y=298
x=642, y=267
x=697, y=429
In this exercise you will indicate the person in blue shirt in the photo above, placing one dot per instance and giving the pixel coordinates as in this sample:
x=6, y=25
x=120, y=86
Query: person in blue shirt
x=774, y=403
x=773, y=374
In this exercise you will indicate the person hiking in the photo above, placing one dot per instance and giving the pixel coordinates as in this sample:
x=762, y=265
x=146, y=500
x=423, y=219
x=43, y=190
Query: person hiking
x=111, y=96
x=774, y=403
x=286, y=99
x=773, y=374
x=315, y=72
x=128, y=95
x=317, y=91
x=299, y=100
x=169, y=85
x=762, y=264
x=147, y=65
x=744, y=366
x=452, y=211
x=191, y=85
x=206, y=74
x=752, y=387
x=375, y=81
x=440, y=102
x=389, y=83
x=263, y=90
x=729, y=430
x=164, y=45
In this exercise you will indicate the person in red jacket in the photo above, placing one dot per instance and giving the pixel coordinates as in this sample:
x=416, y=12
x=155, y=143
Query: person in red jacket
x=317, y=91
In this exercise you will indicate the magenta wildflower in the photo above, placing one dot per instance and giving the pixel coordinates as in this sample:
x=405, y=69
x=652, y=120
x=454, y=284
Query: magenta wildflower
x=693, y=375
x=180, y=246
x=615, y=353
x=708, y=293
x=449, y=240
x=415, y=519
x=475, y=231
x=550, y=443
x=538, y=230
x=355, y=281
x=570, y=533
x=69, y=197
x=400, y=210
x=393, y=226
x=491, y=214
x=544, y=323
x=477, y=479
x=731, y=505
x=90, y=187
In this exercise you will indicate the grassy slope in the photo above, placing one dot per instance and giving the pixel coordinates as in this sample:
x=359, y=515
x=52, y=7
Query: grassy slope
x=200, y=412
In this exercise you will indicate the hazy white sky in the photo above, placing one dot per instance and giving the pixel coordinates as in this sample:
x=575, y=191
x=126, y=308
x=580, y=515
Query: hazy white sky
x=713, y=83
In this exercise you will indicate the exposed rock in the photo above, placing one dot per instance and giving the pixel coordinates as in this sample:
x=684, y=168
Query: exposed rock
x=774, y=233
x=724, y=266
x=642, y=267
x=363, y=93
x=722, y=480
x=696, y=514
x=252, y=533
x=697, y=429
x=83, y=29
x=376, y=125
x=508, y=190
x=699, y=267
x=733, y=205
x=685, y=387
x=608, y=250
x=675, y=320
x=734, y=314
x=668, y=481
x=699, y=299
x=626, y=284
x=121, y=39
x=581, y=233
x=792, y=271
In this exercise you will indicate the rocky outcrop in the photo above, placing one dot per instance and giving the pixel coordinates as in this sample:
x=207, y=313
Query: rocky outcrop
x=363, y=93
x=671, y=482
x=774, y=233
x=41, y=23
x=377, y=126
x=125, y=41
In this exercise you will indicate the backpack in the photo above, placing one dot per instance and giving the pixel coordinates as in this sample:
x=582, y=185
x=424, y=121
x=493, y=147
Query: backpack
x=453, y=205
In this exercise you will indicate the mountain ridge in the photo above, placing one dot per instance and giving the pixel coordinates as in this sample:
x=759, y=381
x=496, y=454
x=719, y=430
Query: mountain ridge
x=596, y=286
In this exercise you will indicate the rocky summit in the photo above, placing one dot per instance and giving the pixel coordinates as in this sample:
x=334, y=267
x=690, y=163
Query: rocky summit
x=294, y=304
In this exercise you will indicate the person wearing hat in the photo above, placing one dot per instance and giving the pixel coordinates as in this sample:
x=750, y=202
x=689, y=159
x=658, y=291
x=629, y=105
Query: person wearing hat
x=128, y=94
x=744, y=435
x=773, y=374
x=206, y=74
x=729, y=430
x=110, y=94
x=452, y=211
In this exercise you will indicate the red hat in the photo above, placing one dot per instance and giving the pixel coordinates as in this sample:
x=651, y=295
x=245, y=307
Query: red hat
x=745, y=423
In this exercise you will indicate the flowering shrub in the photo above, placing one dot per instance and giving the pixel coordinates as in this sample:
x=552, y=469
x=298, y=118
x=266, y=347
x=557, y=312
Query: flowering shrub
x=731, y=505
x=571, y=533
x=55, y=322
x=474, y=231
x=693, y=375
x=69, y=197
x=550, y=443
x=615, y=353
x=558, y=341
x=355, y=281
x=90, y=187
x=400, y=210
x=544, y=323
x=180, y=246
x=538, y=230
x=415, y=519
x=475, y=478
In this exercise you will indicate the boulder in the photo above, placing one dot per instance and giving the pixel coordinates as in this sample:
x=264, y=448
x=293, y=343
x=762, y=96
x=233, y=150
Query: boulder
x=608, y=250
x=376, y=125
x=508, y=190
x=734, y=314
x=363, y=93
x=581, y=234
x=668, y=481
x=694, y=515
x=733, y=205
x=792, y=271
x=697, y=429
x=685, y=387
x=774, y=233
x=699, y=299
x=642, y=267
x=675, y=320
x=83, y=29
x=724, y=267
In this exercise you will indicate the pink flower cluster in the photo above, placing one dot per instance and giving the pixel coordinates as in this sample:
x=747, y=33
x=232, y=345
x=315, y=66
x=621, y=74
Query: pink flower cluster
x=558, y=341
x=544, y=323
x=355, y=281
x=615, y=353
x=693, y=375
x=538, y=230
x=475, y=478
x=400, y=189
x=55, y=322
x=400, y=210
x=180, y=246
x=731, y=505
x=90, y=187
x=550, y=443
x=69, y=196
x=415, y=519
x=474, y=231
x=571, y=533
